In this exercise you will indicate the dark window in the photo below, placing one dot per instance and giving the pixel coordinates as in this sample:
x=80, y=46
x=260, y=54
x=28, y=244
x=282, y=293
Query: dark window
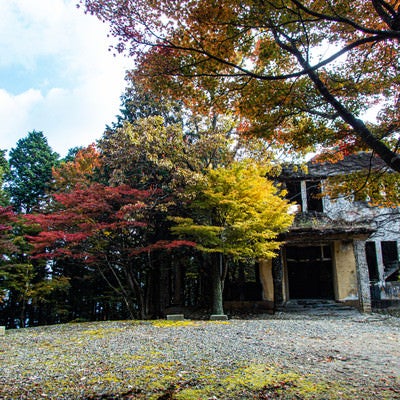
x=294, y=191
x=314, y=200
x=313, y=190
x=390, y=260
x=370, y=251
x=308, y=253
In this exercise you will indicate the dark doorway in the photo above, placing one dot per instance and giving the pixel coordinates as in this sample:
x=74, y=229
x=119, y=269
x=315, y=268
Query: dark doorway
x=372, y=262
x=310, y=272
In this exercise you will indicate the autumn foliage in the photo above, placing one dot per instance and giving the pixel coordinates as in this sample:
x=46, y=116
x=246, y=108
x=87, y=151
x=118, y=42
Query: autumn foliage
x=106, y=227
x=299, y=73
x=77, y=172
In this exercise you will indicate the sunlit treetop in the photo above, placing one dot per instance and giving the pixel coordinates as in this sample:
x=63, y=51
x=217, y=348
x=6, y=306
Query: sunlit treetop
x=298, y=72
x=78, y=171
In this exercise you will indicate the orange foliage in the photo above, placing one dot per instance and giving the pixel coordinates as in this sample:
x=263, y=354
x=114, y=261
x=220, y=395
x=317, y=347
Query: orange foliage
x=77, y=172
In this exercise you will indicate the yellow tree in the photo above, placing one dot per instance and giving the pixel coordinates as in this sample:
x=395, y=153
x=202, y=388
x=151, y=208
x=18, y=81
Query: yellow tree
x=238, y=215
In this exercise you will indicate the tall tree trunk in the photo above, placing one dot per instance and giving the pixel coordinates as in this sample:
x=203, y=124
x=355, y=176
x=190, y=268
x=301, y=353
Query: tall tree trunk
x=140, y=298
x=217, y=299
x=22, y=313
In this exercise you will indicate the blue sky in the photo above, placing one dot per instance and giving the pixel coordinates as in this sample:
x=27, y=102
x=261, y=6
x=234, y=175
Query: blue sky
x=57, y=74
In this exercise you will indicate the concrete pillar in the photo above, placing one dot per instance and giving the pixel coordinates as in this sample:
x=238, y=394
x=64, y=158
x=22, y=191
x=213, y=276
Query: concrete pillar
x=364, y=293
x=379, y=259
x=277, y=276
x=303, y=188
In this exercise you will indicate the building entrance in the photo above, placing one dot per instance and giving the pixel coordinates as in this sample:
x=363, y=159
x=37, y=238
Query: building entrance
x=310, y=272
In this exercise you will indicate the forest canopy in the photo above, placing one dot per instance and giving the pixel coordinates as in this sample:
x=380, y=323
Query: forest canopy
x=299, y=73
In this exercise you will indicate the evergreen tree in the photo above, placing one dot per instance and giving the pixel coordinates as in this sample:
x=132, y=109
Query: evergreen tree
x=31, y=163
x=4, y=168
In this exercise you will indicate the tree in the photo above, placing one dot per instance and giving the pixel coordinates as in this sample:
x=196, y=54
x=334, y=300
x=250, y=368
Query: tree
x=154, y=153
x=72, y=152
x=26, y=286
x=76, y=170
x=151, y=153
x=139, y=103
x=238, y=215
x=4, y=169
x=6, y=246
x=29, y=179
x=107, y=228
x=375, y=185
x=300, y=72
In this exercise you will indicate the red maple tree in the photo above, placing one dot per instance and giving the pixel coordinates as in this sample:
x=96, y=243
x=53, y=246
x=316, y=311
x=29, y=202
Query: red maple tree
x=108, y=228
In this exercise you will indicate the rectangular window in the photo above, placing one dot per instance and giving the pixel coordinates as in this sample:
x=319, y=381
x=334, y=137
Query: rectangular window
x=370, y=251
x=308, y=253
x=390, y=258
x=314, y=200
x=293, y=191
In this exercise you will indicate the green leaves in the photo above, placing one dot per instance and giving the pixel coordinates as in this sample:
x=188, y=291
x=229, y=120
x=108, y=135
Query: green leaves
x=30, y=175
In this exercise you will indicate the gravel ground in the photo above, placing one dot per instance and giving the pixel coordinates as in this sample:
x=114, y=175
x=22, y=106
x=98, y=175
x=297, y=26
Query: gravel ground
x=285, y=356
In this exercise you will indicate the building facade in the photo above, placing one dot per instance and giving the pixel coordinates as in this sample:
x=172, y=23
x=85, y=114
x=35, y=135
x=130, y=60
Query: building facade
x=339, y=250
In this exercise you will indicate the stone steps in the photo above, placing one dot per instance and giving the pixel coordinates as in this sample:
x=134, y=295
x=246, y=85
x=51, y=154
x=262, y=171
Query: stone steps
x=315, y=305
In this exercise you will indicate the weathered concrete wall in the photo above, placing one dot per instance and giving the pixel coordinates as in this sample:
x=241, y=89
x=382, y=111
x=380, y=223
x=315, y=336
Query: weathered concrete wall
x=345, y=273
x=267, y=280
x=364, y=293
x=387, y=224
x=390, y=290
x=386, y=221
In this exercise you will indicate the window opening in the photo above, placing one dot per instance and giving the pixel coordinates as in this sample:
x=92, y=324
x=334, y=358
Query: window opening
x=314, y=200
x=293, y=191
x=390, y=260
x=370, y=252
x=310, y=272
x=310, y=199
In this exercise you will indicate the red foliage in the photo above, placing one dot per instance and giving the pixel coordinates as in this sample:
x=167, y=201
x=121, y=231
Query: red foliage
x=7, y=217
x=163, y=245
x=94, y=219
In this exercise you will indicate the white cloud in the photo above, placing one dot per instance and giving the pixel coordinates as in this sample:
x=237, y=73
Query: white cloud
x=31, y=28
x=90, y=80
x=14, y=112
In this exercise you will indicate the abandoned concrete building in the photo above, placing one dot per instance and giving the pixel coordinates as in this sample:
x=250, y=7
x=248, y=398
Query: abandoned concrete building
x=342, y=251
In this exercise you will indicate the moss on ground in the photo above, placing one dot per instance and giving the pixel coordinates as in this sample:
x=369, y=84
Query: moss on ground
x=163, y=323
x=146, y=373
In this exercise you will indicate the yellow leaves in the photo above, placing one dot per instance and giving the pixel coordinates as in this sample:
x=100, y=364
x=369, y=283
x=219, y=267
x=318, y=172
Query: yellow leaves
x=238, y=212
x=162, y=323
